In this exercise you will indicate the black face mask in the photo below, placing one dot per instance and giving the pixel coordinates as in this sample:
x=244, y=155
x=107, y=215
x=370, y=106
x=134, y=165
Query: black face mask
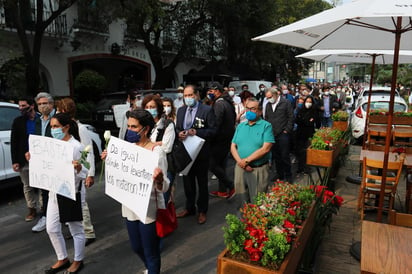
x=25, y=111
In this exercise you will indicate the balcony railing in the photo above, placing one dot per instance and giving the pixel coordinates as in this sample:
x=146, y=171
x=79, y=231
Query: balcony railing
x=57, y=28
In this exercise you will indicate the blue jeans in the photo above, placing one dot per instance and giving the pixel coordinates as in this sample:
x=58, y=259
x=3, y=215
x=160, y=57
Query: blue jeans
x=326, y=122
x=145, y=243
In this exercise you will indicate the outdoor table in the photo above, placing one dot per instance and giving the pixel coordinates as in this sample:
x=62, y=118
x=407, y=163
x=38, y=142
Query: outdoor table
x=386, y=248
x=378, y=155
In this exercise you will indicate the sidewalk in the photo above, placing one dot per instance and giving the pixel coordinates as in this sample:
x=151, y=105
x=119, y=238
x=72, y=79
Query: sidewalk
x=333, y=254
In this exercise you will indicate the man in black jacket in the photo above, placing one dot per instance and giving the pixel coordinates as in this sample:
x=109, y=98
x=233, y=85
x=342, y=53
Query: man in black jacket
x=222, y=105
x=22, y=127
x=279, y=114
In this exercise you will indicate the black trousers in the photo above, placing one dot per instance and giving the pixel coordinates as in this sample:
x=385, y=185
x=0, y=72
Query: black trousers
x=218, y=159
x=197, y=179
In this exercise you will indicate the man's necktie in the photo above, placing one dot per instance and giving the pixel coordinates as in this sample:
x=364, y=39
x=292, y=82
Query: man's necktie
x=189, y=118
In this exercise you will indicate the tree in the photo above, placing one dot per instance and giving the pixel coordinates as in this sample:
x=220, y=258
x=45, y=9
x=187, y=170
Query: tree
x=171, y=32
x=241, y=20
x=20, y=15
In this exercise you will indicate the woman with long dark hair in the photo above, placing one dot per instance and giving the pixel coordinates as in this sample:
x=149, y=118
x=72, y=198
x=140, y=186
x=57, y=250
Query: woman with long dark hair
x=142, y=233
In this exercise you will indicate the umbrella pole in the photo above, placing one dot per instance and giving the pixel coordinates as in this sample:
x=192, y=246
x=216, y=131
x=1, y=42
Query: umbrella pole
x=369, y=101
x=390, y=116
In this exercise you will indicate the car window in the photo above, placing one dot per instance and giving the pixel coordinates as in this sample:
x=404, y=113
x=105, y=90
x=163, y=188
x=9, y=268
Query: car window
x=7, y=116
x=384, y=106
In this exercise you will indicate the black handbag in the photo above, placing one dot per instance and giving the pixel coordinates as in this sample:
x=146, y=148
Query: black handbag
x=69, y=210
x=178, y=158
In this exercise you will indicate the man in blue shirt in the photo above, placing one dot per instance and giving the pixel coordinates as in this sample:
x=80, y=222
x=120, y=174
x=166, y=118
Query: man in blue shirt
x=250, y=148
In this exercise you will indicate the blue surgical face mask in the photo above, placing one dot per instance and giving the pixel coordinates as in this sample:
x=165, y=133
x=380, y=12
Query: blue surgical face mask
x=251, y=116
x=211, y=96
x=190, y=102
x=153, y=112
x=300, y=105
x=133, y=136
x=57, y=133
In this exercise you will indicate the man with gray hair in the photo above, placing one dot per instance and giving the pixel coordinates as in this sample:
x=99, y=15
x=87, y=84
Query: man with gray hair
x=45, y=105
x=250, y=149
x=279, y=114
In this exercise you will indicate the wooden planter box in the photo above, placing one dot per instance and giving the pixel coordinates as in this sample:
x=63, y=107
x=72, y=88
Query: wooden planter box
x=383, y=119
x=290, y=264
x=340, y=125
x=322, y=158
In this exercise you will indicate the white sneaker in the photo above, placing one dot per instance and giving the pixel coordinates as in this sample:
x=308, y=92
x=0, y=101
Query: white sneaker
x=40, y=226
x=214, y=177
x=145, y=271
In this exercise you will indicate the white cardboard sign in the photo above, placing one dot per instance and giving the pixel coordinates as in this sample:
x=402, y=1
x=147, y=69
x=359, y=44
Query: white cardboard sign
x=51, y=166
x=128, y=175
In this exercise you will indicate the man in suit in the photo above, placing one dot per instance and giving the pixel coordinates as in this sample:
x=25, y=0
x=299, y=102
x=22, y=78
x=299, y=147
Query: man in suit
x=195, y=118
x=279, y=114
x=22, y=127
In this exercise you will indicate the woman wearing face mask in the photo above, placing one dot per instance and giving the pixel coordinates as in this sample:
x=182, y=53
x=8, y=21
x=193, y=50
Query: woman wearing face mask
x=169, y=108
x=305, y=120
x=142, y=236
x=64, y=128
x=163, y=133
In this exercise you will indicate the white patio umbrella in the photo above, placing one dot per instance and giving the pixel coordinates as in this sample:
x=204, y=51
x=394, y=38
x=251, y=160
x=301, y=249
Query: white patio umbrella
x=345, y=56
x=362, y=24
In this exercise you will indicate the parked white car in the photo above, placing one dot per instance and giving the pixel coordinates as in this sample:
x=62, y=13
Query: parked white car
x=379, y=101
x=8, y=112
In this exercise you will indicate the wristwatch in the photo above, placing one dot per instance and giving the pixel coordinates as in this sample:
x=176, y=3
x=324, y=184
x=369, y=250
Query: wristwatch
x=247, y=161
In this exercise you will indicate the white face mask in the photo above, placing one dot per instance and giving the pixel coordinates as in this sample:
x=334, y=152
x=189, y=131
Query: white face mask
x=308, y=105
x=180, y=95
x=168, y=110
x=338, y=90
x=262, y=89
x=326, y=93
x=138, y=103
x=285, y=91
x=271, y=100
x=231, y=93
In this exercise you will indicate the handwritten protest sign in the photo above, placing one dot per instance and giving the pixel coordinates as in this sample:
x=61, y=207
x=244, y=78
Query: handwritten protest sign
x=128, y=176
x=51, y=165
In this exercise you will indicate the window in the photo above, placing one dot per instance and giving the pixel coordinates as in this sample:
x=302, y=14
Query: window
x=7, y=116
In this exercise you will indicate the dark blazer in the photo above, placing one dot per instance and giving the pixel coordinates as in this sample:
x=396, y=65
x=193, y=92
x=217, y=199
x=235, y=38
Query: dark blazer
x=19, y=141
x=282, y=119
x=205, y=131
x=333, y=104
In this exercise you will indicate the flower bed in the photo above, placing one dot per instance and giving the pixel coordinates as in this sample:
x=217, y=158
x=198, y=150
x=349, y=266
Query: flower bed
x=399, y=118
x=324, y=148
x=271, y=235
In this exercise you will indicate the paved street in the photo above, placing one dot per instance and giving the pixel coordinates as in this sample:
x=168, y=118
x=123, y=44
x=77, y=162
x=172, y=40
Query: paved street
x=192, y=248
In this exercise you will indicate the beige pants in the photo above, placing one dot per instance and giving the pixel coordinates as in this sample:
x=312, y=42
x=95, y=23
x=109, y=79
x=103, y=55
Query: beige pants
x=251, y=183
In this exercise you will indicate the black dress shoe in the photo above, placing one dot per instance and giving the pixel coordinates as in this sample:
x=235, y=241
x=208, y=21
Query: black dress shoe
x=81, y=265
x=89, y=241
x=52, y=270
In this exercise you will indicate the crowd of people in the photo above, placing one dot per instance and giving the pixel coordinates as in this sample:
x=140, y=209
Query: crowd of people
x=262, y=132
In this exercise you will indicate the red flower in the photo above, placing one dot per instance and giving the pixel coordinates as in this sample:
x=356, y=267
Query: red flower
x=291, y=212
x=255, y=256
x=338, y=200
x=287, y=224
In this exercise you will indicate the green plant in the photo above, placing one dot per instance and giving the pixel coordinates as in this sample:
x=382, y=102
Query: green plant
x=395, y=114
x=326, y=139
x=265, y=232
x=340, y=115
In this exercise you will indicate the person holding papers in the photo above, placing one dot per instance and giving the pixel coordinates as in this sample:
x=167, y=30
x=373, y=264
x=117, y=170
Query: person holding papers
x=194, y=118
x=142, y=233
x=64, y=128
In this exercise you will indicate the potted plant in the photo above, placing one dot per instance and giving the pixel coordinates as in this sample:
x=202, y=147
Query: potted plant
x=324, y=147
x=399, y=118
x=340, y=120
x=270, y=236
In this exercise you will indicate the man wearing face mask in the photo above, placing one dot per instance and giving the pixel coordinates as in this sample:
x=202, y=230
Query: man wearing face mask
x=260, y=96
x=22, y=127
x=328, y=106
x=178, y=102
x=220, y=145
x=279, y=114
x=235, y=98
x=287, y=95
x=250, y=149
x=45, y=105
x=195, y=118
